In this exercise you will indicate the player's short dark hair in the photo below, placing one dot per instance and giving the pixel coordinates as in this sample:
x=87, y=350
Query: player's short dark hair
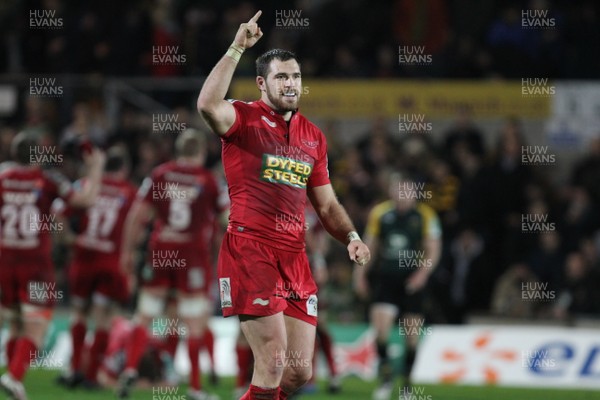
x=20, y=148
x=263, y=62
x=116, y=159
x=401, y=176
x=190, y=142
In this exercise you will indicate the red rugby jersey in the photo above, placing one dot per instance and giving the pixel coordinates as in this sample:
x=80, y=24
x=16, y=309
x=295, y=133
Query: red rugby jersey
x=101, y=225
x=269, y=164
x=26, y=221
x=186, y=200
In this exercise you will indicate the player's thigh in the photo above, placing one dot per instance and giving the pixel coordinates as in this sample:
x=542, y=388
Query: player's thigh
x=9, y=293
x=111, y=286
x=81, y=277
x=388, y=292
x=300, y=344
x=194, y=309
x=298, y=287
x=151, y=303
x=266, y=336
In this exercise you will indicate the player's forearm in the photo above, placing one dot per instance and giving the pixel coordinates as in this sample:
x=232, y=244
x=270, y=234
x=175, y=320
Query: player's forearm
x=336, y=221
x=132, y=229
x=433, y=252
x=217, y=84
x=91, y=187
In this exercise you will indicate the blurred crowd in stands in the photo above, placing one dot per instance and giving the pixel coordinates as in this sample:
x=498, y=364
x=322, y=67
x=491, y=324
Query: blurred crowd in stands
x=337, y=38
x=480, y=193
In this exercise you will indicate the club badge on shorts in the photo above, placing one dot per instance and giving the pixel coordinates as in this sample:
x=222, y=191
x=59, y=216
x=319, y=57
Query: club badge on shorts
x=225, y=292
x=312, y=305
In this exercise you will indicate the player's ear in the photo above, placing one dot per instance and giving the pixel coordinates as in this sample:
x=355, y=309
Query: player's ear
x=261, y=83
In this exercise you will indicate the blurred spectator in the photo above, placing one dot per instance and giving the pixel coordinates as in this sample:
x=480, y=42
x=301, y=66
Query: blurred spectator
x=547, y=259
x=464, y=282
x=462, y=136
x=508, y=299
x=472, y=206
x=376, y=148
x=505, y=196
x=421, y=23
x=586, y=172
x=579, y=294
x=512, y=47
x=85, y=125
x=582, y=59
x=444, y=188
x=580, y=217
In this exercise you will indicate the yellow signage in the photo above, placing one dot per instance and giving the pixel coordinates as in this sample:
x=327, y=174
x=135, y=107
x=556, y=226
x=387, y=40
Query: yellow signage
x=389, y=98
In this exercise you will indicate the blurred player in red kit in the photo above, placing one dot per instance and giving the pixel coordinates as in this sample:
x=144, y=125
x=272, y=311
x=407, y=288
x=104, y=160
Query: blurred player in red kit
x=28, y=290
x=96, y=280
x=183, y=198
x=273, y=159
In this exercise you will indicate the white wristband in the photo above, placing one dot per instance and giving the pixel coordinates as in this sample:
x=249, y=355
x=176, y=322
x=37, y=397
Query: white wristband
x=353, y=236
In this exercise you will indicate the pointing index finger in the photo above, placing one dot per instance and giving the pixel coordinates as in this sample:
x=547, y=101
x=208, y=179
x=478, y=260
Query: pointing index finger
x=256, y=16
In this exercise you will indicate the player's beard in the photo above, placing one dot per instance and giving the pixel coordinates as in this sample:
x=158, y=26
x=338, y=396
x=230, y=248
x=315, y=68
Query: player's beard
x=281, y=103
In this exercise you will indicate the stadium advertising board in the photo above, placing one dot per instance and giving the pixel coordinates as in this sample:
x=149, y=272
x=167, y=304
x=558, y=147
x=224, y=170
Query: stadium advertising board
x=510, y=356
x=436, y=99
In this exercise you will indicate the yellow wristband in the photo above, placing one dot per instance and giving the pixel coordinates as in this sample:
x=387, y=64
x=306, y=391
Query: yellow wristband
x=235, y=52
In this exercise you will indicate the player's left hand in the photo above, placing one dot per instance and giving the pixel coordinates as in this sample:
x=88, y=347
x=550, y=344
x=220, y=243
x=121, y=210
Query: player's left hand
x=359, y=252
x=417, y=281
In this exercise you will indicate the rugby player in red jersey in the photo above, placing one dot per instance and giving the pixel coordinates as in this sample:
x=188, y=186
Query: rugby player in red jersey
x=96, y=280
x=28, y=290
x=183, y=198
x=273, y=159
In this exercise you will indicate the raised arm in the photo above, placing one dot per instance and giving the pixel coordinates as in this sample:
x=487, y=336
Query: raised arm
x=91, y=188
x=334, y=218
x=216, y=112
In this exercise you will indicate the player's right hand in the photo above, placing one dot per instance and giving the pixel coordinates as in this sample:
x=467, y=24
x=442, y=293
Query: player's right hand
x=249, y=33
x=95, y=158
